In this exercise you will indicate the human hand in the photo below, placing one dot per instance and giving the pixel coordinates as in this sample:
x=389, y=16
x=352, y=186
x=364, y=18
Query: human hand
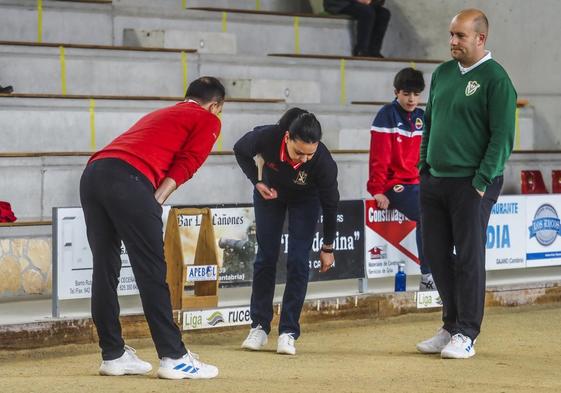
x=165, y=189
x=481, y=193
x=266, y=192
x=327, y=261
x=382, y=201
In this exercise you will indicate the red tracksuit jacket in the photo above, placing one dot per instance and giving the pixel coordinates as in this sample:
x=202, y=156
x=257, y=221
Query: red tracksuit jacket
x=395, y=142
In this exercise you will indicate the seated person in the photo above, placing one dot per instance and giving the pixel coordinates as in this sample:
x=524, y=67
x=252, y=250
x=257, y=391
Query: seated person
x=372, y=21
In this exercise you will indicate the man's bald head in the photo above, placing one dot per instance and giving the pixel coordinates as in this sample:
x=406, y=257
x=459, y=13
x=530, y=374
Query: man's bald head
x=468, y=35
x=477, y=17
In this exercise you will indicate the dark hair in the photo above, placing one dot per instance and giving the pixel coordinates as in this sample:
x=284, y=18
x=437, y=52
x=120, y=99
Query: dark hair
x=306, y=128
x=289, y=116
x=409, y=79
x=206, y=89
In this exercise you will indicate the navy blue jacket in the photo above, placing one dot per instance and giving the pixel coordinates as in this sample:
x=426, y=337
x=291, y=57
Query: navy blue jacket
x=315, y=178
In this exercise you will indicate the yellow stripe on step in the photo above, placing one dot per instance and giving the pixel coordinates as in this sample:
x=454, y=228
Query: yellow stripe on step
x=219, y=140
x=343, y=87
x=224, y=22
x=517, y=130
x=62, y=70
x=185, y=70
x=297, y=35
x=93, y=144
x=39, y=20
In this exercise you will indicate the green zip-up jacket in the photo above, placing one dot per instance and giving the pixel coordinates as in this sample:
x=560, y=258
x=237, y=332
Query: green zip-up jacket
x=469, y=123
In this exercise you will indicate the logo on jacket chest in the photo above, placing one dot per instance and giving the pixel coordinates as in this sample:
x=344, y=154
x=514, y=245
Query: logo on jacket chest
x=472, y=87
x=301, y=178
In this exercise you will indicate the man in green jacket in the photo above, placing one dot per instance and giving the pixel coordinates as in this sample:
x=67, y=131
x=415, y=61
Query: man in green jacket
x=469, y=133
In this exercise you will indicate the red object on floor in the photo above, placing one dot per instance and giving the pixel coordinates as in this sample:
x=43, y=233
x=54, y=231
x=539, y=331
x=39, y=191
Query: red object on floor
x=556, y=181
x=531, y=182
x=6, y=213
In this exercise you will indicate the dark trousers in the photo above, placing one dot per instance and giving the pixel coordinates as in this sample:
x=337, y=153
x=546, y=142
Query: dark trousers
x=371, y=25
x=408, y=203
x=119, y=204
x=269, y=219
x=455, y=215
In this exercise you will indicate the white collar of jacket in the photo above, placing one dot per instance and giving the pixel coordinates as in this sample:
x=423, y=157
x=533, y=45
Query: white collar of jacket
x=464, y=70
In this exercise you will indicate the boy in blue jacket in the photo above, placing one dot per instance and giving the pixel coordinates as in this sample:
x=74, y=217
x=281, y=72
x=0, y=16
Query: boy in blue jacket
x=395, y=144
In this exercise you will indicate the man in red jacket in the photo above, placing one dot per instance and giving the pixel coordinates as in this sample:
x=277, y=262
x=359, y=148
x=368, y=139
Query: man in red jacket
x=122, y=190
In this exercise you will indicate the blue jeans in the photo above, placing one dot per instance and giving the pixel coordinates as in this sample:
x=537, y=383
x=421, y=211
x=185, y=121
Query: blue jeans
x=269, y=219
x=408, y=203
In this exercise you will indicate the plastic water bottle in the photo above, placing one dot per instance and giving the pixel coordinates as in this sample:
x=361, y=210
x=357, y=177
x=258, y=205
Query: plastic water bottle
x=400, y=278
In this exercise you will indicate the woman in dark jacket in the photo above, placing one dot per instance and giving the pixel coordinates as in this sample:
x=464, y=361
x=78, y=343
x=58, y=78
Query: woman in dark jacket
x=299, y=178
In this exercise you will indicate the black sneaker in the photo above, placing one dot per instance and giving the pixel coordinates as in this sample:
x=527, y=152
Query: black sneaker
x=6, y=90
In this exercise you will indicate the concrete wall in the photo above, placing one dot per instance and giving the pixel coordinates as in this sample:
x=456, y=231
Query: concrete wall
x=25, y=253
x=523, y=37
x=65, y=22
x=66, y=123
x=264, y=5
x=119, y=72
x=35, y=185
x=255, y=34
x=528, y=50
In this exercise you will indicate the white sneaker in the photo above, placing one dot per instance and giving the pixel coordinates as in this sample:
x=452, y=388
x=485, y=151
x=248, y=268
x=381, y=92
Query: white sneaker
x=436, y=343
x=427, y=283
x=128, y=363
x=256, y=339
x=189, y=366
x=459, y=347
x=285, y=344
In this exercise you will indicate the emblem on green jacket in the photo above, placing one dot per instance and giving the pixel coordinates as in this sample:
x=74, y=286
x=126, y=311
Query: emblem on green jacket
x=472, y=87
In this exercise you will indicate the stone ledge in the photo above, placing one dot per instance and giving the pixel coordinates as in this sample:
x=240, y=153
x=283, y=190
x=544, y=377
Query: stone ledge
x=51, y=333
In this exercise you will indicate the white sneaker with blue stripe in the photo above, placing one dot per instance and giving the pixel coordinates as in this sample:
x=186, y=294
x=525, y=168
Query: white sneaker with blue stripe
x=459, y=347
x=128, y=363
x=189, y=366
